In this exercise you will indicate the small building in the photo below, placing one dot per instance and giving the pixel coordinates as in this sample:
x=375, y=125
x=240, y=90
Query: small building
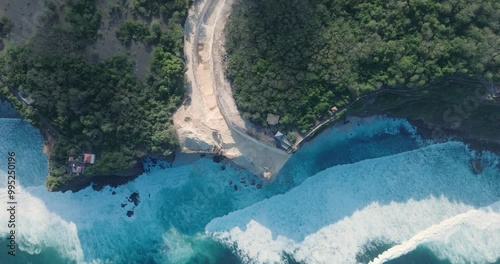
x=272, y=119
x=79, y=169
x=77, y=163
x=278, y=135
x=26, y=98
x=88, y=158
x=334, y=109
x=282, y=141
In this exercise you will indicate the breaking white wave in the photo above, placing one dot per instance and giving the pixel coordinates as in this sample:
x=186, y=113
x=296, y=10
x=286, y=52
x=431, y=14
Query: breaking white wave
x=473, y=236
x=326, y=218
x=37, y=228
x=92, y=227
x=333, y=214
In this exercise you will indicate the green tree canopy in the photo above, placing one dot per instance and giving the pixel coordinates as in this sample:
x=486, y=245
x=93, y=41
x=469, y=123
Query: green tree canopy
x=299, y=58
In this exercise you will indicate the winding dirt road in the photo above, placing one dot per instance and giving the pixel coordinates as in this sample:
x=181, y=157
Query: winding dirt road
x=209, y=118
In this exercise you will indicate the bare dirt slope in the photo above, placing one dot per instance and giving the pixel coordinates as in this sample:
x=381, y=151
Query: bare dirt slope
x=209, y=118
x=107, y=43
x=26, y=16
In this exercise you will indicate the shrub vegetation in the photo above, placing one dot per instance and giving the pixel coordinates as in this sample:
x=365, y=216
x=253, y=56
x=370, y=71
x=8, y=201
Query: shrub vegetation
x=96, y=107
x=299, y=58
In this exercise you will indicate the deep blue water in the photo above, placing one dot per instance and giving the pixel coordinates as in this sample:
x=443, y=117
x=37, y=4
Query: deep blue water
x=421, y=255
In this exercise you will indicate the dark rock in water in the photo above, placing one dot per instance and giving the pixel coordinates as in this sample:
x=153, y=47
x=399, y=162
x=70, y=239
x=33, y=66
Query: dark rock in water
x=130, y=213
x=230, y=182
x=97, y=186
x=134, y=197
x=154, y=158
x=235, y=187
x=223, y=167
x=113, y=193
x=243, y=180
x=123, y=205
x=170, y=158
x=218, y=158
x=252, y=182
x=259, y=186
x=477, y=166
x=203, y=155
x=98, y=181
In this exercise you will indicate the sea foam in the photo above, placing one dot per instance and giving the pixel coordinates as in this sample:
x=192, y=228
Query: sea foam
x=468, y=237
x=93, y=227
x=327, y=217
x=330, y=216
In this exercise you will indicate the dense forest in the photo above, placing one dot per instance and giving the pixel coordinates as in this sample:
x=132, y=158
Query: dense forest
x=102, y=107
x=299, y=58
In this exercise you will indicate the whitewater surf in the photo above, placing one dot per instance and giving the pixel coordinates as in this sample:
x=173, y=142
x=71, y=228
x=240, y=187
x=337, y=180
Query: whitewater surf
x=332, y=215
x=373, y=181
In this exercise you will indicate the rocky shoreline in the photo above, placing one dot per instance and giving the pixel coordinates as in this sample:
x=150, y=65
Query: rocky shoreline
x=99, y=181
x=424, y=129
x=427, y=131
x=115, y=179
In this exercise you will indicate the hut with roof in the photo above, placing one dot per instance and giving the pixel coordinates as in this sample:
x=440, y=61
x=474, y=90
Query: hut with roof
x=88, y=158
x=272, y=119
x=26, y=98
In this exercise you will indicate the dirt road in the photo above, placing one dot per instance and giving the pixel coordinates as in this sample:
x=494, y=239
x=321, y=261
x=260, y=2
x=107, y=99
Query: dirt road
x=209, y=119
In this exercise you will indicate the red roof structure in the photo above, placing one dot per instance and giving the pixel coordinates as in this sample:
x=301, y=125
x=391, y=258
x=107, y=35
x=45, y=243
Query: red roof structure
x=88, y=158
x=334, y=109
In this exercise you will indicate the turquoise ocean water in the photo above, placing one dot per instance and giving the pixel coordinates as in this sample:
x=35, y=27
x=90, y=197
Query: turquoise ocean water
x=349, y=196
